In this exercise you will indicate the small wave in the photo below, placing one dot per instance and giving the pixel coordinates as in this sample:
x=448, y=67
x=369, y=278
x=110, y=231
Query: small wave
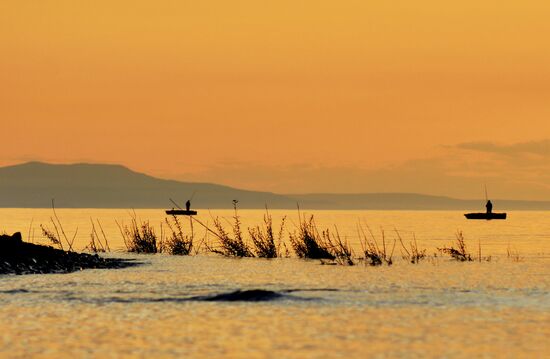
x=260, y=295
x=14, y=291
x=252, y=295
x=311, y=290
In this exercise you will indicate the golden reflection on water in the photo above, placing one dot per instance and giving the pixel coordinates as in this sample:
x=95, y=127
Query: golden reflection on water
x=261, y=330
x=437, y=308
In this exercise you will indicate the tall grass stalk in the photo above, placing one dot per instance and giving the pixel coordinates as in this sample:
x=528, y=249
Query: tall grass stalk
x=231, y=245
x=308, y=242
x=31, y=230
x=266, y=245
x=513, y=254
x=139, y=238
x=460, y=253
x=177, y=242
x=412, y=254
x=51, y=236
x=375, y=255
x=341, y=249
x=96, y=244
x=58, y=235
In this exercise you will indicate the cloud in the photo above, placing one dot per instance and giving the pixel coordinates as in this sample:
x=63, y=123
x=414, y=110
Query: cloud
x=540, y=148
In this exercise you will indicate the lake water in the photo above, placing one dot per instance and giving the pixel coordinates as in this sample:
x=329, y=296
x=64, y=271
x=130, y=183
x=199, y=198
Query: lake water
x=496, y=308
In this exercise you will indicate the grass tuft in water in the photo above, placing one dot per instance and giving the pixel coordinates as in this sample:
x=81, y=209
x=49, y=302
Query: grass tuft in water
x=178, y=243
x=96, y=245
x=411, y=254
x=307, y=242
x=513, y=254
x=460, y=253
x=139, y=238
x=341, y=250
x=266, y=245
x=51, y=236
x=231, y=246
x=375, y=255
x=59, y=236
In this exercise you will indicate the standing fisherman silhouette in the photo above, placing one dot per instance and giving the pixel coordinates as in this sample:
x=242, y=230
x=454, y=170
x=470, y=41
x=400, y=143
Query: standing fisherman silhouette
x=489, y=214
x=489, y=207
x=180, y=211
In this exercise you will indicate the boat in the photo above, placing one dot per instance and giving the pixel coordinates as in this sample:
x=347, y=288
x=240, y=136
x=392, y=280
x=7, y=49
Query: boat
x=181, y=212
x=485, y=215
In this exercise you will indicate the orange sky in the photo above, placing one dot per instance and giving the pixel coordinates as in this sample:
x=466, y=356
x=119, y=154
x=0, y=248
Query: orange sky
x=288, y=96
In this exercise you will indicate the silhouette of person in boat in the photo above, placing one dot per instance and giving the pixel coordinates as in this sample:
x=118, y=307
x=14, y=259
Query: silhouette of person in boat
x=489, y=207
x=188, y=205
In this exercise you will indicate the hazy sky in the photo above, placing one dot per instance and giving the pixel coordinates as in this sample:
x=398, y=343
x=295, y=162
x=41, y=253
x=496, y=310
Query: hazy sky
x=288, y=96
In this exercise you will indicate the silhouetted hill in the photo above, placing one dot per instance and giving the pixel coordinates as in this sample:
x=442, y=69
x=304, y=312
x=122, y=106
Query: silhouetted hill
x=34, y=184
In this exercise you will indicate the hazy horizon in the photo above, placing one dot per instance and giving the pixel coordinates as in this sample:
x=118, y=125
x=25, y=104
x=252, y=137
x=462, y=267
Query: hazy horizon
x=221, y=181
x=34, y=184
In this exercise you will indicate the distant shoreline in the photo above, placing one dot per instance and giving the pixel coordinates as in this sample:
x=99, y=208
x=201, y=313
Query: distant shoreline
x=202, y=210
x=35, y=184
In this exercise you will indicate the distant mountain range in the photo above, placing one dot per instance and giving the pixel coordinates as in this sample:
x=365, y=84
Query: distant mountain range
x=34, y=184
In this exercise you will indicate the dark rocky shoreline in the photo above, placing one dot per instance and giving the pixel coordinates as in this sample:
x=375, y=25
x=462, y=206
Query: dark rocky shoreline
x=18, y=257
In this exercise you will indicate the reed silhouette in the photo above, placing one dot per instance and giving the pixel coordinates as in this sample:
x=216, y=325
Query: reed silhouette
x=139, y=237
x=375, y=255
x=231, y=245
x=97, y=244
x=411, y=254
x=308, y=242
x=460, y=253
x=266, y=244
x=178, y=243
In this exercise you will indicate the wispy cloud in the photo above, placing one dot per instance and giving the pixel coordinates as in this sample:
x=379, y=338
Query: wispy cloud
x=541, y=148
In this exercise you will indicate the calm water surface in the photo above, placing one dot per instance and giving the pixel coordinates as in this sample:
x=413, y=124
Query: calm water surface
x=499, y=308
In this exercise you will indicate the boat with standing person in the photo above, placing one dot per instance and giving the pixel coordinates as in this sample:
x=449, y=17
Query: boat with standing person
x=488, y=214
x=180, y=211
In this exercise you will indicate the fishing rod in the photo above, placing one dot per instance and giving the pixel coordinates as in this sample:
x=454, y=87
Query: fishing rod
x=177, y=205
x=190, y=199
